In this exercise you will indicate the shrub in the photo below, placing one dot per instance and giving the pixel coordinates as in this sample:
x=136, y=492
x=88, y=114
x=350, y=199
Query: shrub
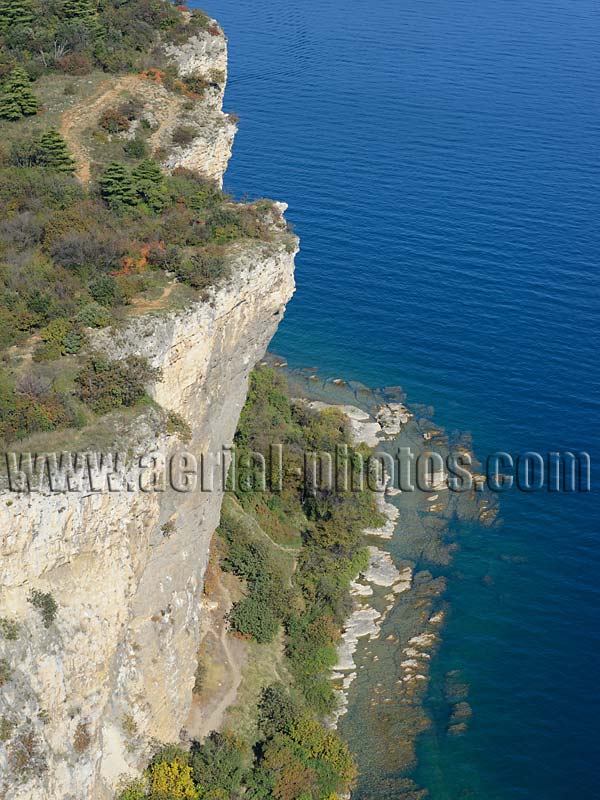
x=276, y=711
x=113, y=121
x=104, y=290
x=45, y=604
x=89, y=249
x=7, y=727
x=199, y=677
x=184, y=135
x=129, y=725
x=46, y=351
x=76, y=64
x=5, y=671
x=82, y=738
x=63, y=337
x=9, y=629
x=21, y=415
x=196, y=84
x=93, y=315
x=136, y=148
x=132, y=790
x=178, y=426
x=171, y=779
x=22, y=231
x=25, y=755
x=253, y=617
x=203, y=269
x=73, y=341
x=104, y=385
x=217, y=76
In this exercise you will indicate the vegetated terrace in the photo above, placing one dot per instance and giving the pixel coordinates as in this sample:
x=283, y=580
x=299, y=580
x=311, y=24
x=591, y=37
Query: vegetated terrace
x=92, y=228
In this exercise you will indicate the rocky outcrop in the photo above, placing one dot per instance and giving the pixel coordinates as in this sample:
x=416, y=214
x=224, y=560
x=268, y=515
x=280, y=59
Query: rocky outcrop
x=100, y=590
x=203, y=56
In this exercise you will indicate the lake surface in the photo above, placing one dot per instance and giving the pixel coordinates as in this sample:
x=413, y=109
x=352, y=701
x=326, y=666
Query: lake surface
x=441, y=160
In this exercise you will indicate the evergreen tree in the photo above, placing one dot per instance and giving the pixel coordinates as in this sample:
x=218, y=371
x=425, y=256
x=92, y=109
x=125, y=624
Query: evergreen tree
x=84, y=10
x=16, y=99
x=14, y=13
x=117, y=187
x=148, y=170
x=54, y=153
x=149, y=185
x=9, y=106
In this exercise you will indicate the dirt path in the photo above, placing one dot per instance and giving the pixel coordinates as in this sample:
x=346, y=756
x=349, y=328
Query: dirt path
x=142, y=305
x=78, y=118
x=226, y=656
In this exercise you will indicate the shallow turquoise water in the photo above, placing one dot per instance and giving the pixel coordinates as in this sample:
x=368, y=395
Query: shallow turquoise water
x=442, y=166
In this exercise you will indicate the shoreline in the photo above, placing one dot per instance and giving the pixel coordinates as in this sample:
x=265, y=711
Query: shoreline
x=398, y=606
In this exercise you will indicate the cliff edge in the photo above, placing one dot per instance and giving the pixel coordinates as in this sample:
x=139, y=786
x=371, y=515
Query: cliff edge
x=103, y=588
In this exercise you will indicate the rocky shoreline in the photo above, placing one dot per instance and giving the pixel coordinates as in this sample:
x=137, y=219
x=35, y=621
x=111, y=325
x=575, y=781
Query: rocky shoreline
x=388, y=641
x=366, y=620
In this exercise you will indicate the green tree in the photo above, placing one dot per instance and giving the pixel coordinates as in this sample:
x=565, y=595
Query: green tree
x=276, y=710
x=148, y=170
x=218, y=763
x=17, y=100
x=14, y=13
x=54, y=153
x=117, y=186
x=149, y=185
x=253, y=617
x=84, y=10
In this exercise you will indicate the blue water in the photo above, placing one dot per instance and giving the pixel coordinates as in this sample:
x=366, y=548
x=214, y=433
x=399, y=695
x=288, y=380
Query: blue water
x=441, y=160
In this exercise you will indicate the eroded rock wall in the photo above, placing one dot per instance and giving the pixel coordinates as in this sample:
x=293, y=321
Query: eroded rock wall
x=82, y=699
x=125, y=568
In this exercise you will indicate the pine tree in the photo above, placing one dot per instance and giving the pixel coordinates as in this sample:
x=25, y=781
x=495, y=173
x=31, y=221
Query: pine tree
x=9, y=106
x=14, y=13
x=117, y=187
x=147, y=170
x=16, y=99
x=54, y=153
x=84, y=10
x=149, y=185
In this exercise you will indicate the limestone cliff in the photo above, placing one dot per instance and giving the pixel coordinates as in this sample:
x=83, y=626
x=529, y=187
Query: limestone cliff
x=82, y=699
x=204, y=55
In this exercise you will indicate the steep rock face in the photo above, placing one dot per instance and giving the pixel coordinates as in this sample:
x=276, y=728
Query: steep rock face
x=82, y=699
x=205, y=56
x=125, y=568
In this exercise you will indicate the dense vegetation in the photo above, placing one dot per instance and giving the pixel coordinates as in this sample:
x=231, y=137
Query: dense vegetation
x=75, y=255
x=330, y=521
x=296, y=759
x=293, y=756
x=74, y=36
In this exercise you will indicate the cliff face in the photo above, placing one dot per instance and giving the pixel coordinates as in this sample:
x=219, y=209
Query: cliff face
x=82, y=699
x=209, y=152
